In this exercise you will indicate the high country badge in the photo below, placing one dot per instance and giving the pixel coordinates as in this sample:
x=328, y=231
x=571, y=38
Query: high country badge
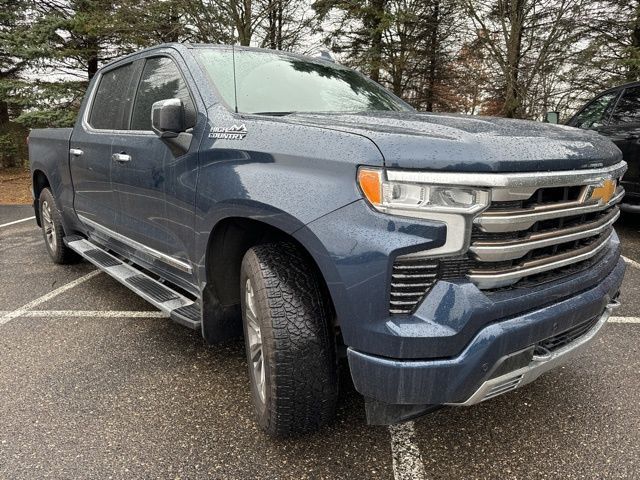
x=234, y=132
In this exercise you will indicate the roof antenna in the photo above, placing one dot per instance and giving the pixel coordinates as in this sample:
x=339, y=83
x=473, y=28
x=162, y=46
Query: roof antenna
x=235, y=88
x=326, y=55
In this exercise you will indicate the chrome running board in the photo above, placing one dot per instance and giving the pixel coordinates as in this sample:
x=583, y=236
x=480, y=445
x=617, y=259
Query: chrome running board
x=177, y=306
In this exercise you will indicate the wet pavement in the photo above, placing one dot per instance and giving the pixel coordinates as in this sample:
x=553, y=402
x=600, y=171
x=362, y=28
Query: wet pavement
x=121, y=393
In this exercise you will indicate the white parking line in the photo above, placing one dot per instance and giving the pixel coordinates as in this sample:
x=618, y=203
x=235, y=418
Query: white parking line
x=92, y=313
x=633, y=263
x=22, y=310
x=406, y=456
x=407, y=460
x=16, y=221
x=624, y=319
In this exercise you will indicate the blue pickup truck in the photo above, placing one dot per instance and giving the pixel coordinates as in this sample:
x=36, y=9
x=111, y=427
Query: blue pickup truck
x=291, y=200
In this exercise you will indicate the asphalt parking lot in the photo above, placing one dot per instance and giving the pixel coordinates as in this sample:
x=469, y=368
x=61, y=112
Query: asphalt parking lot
x=94, y=383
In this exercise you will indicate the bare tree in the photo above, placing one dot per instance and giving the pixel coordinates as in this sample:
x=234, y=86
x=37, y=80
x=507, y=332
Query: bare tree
x=288, y=25
x=523, y=37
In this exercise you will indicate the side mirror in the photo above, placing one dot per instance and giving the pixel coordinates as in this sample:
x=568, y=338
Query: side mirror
x=552, y=117
x=168, y=118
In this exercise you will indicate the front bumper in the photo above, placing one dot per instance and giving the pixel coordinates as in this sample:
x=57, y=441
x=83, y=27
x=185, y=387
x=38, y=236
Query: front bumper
x=468, y=377
x=538, y=365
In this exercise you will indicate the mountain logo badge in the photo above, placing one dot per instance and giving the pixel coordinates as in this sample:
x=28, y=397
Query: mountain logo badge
x=234, y=132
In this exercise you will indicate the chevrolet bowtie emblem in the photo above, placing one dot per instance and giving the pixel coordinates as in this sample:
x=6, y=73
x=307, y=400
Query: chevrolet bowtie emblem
x=604, y=191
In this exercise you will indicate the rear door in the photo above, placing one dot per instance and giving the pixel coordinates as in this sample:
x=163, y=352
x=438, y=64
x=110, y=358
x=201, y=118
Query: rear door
x=154, y=183
x=624, y=129
x=104, y=120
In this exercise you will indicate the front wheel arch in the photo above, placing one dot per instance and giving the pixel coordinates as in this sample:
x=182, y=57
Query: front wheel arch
x=229, y=241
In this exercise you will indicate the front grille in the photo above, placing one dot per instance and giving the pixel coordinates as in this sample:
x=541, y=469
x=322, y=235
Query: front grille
x=552, y=234
x=545, y=238
x=556, y=342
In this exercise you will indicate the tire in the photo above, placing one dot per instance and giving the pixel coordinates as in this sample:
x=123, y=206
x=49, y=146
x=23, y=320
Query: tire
x=53, y=231
x=286, y=327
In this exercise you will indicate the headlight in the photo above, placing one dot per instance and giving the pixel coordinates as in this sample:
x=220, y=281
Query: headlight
x=454, y=206
x=419, y=199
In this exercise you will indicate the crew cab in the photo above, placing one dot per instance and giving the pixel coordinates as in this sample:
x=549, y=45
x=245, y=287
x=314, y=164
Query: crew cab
x=615, y=113
x=292, y=200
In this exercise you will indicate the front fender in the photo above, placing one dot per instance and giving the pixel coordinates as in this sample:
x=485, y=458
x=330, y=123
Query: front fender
x=354, y=248
x=282, y=174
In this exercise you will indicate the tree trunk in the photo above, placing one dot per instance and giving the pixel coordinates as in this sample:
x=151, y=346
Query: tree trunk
x=4, y=112
x=244, y=28
x=169, y=31
x=633, y=73
x=275, y=18
x=279, y=23
x=433, y=55
x=271, y=34
x=396, y=81
x=398, y=65
x=512, y=98
x=92, y=56
x=374, y=25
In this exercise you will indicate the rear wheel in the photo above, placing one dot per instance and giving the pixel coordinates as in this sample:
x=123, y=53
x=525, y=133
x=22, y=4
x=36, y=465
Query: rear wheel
x=290, y=346
x=53, y=231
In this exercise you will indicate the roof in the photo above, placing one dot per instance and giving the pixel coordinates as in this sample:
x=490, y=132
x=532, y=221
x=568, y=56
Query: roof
x=624, y=85
x=181, y=46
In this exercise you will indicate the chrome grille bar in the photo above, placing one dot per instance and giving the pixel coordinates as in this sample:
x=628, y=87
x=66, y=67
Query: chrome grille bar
x=510, y=180
x=488, y=279
x=496, y=250
x=522, y=219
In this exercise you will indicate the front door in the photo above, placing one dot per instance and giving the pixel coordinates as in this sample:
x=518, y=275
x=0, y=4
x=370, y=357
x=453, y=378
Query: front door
x=154, y=183
x=90, y=154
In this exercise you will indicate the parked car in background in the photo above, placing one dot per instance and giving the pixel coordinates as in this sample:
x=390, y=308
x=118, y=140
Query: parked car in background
x=615, y=113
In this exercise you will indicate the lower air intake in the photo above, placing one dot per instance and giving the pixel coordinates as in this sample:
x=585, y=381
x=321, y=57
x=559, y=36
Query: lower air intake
x=411, y=279
x=504, y=387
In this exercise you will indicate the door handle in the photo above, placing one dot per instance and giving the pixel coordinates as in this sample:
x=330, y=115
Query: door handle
x=121, y=157
x=76, y=152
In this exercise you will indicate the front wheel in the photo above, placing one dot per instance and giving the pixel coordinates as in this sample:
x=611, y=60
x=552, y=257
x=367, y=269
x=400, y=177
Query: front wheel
x=290, y=346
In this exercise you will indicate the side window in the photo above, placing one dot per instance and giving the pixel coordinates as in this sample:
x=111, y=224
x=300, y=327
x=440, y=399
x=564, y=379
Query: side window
x=628, y=107
x=111, y=102
x=160, y=80
x=596, y=113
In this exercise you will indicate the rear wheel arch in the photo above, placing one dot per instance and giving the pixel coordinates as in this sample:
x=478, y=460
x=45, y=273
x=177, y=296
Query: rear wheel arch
x=39, y=182
x=228, y=242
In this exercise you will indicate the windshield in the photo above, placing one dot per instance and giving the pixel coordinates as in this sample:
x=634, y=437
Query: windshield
x=270, y=83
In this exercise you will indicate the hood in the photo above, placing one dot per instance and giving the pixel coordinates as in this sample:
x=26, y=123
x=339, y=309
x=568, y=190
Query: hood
x=464, y=143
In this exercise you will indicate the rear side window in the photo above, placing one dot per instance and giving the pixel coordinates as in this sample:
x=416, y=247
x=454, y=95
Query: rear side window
x=628, y=108
x=111, y=102
x=596, y=113
x=160, y=80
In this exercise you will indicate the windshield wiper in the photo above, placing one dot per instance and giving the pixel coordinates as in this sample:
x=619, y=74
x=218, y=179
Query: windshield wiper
x=275, y=114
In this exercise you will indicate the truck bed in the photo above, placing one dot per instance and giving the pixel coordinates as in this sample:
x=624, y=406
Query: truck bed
x=49, y=158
